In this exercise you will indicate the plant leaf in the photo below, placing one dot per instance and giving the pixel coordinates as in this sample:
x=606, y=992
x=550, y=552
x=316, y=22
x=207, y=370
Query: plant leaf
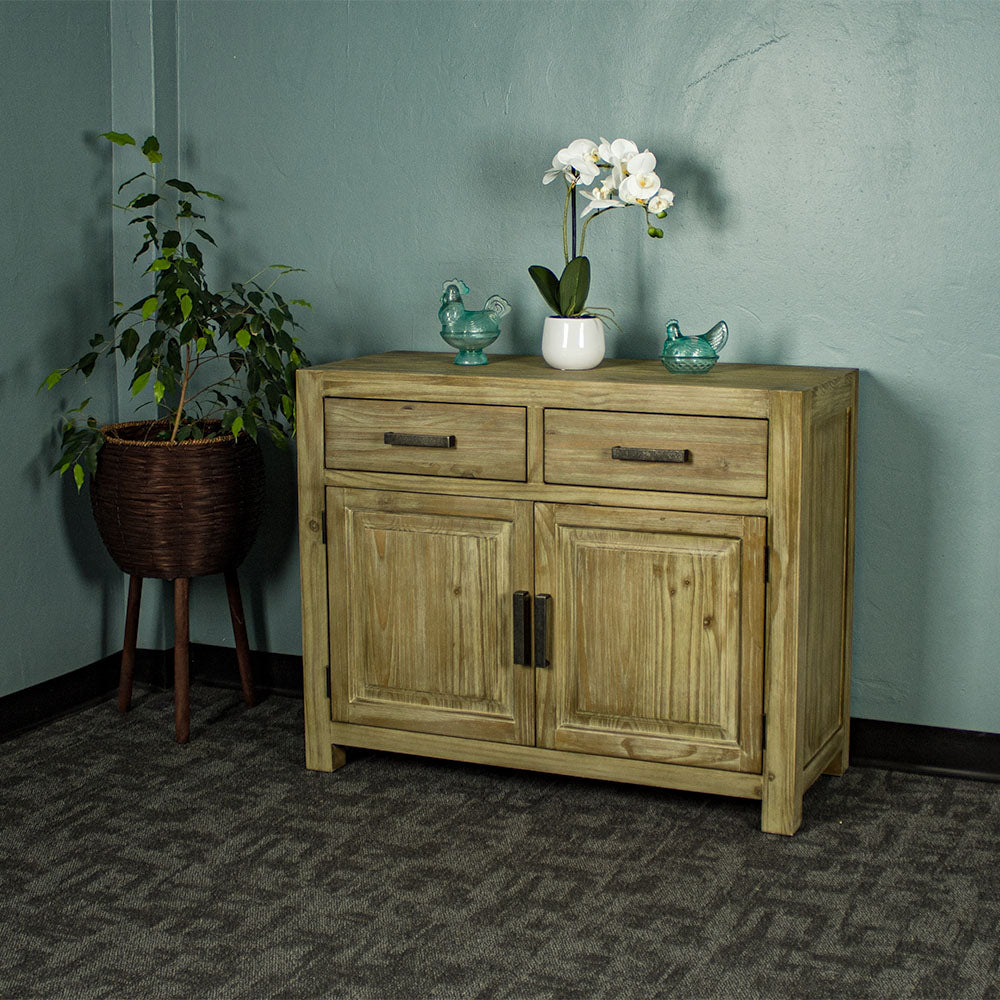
x=78, y=476
x=149, y=306
x=243, y=338
x=119, y=138
x=547, y=283
x=140, y=383
x=182, y=186
x=574, y=286
x=144, y=200
x=53, y=379
x=158, y=390
x=151, y=147
x=128, y=343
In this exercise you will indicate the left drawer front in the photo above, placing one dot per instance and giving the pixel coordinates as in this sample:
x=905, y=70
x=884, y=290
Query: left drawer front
x=427, y=439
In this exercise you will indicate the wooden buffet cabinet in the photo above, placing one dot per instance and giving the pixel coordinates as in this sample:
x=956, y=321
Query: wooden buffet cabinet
x=617, y=573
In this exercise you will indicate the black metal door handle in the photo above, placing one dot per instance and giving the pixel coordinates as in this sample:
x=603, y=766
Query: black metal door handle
x=543, y=611
x=522, y=628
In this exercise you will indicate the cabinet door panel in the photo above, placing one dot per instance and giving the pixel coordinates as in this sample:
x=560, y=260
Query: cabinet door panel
x=421, y=610
x=657, y=651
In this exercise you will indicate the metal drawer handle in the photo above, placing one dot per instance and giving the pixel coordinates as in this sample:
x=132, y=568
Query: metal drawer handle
x=624, y=454
x=419, y=440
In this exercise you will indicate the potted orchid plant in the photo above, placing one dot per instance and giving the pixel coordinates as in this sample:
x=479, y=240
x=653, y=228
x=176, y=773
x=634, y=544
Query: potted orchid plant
x=607, y=175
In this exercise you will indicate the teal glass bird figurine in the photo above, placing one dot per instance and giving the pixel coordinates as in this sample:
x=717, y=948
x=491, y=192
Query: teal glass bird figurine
x=692, y=355
x=467, y=329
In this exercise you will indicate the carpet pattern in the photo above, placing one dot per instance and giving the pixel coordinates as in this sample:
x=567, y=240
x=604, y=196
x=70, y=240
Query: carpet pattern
x=131, y=867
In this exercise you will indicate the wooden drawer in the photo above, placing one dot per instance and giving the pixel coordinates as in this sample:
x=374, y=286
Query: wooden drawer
x=429, y=439
x=656, y=451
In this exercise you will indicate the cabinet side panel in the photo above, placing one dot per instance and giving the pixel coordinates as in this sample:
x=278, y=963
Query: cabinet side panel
x=826, y=580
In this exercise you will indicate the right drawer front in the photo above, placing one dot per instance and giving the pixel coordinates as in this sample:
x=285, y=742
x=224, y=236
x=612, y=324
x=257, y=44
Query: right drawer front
x=656, y=451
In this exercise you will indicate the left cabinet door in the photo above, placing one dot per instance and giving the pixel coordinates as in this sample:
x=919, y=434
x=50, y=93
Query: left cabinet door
x=421, y=592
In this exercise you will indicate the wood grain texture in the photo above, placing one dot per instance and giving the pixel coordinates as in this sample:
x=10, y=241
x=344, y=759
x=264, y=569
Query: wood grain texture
x=489, y=441
x=722, y=455
x=422, y=593
x=638, y=772
x=650, y=615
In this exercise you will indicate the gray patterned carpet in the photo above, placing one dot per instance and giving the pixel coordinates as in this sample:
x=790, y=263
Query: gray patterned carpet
x=133, y=868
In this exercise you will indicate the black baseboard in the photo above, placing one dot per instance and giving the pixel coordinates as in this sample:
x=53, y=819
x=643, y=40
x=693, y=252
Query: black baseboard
x=896, y=746
x=215, y=666
x=900, y=746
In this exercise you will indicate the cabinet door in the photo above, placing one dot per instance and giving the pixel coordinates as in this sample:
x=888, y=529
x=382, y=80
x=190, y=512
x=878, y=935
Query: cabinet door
x=656, y=651
x=421, y=606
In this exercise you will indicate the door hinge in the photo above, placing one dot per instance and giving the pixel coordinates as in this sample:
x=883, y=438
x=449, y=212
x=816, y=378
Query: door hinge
x=329, y=684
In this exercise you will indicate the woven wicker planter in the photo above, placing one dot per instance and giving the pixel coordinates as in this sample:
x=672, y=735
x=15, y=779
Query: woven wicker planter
x=183, y=510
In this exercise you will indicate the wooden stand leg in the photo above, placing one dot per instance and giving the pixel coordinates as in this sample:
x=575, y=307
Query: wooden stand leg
x=240, y=634
x=182, y=707
x=128, y=650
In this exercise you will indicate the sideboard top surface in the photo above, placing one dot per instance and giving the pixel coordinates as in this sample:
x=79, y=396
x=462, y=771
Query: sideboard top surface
x=618, y=383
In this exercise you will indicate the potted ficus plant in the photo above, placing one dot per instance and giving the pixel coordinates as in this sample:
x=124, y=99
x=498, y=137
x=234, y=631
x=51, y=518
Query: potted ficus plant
x=609, y=175
x=180, y=494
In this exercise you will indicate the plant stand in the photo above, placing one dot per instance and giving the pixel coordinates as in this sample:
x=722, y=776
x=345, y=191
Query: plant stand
x=182, y=590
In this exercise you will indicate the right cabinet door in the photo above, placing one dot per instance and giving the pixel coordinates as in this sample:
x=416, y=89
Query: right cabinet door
x=657, y=634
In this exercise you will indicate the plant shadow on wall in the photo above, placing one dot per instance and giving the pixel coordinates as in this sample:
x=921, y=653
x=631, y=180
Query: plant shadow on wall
x=82, y=293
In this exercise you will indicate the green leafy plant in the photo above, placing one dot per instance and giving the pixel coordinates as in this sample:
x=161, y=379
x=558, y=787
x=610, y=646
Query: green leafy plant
x=211, y=362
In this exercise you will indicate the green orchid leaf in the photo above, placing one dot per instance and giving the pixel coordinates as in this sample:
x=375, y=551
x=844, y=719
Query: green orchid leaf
x=547, y=283
x=574, y=286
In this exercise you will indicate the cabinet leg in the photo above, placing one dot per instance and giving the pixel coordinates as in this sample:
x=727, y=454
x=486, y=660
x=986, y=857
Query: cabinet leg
x=182, y=705
x=781, y=808
x=839, y=762
x=128, y=650
x=240, y=634
x=322, y=756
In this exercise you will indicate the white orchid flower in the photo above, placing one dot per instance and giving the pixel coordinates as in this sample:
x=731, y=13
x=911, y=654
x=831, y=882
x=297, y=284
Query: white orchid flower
x=600, y=198
x=640, y=163
x=638, y=189
x=614, y=153
x=660, y=201
x=577, y=163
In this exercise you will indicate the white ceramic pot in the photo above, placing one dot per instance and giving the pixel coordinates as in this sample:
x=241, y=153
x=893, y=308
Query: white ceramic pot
x=573, y=343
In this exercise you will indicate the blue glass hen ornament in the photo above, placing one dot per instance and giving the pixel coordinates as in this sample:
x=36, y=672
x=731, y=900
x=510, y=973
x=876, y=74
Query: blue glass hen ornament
x=684, y=355
x=470, y=330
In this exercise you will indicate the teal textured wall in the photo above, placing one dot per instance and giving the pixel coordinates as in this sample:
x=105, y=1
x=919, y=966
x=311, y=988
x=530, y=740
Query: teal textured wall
x=834, y=168
x=60, y=599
